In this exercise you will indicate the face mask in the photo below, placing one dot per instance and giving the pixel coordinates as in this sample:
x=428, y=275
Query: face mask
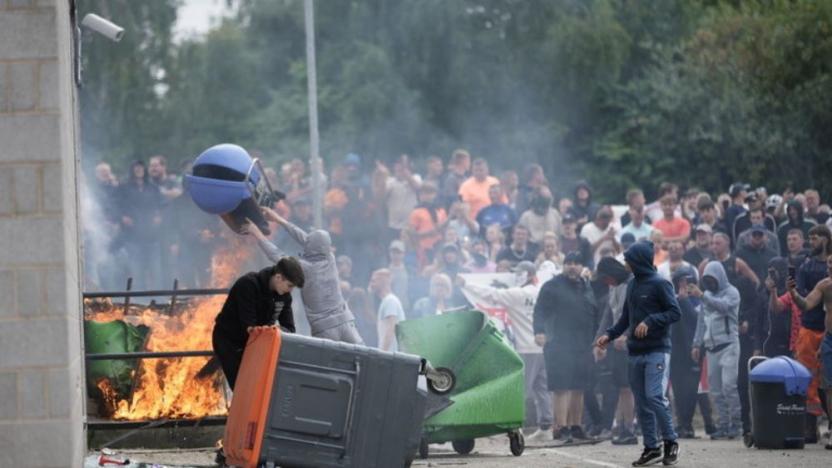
x=711, y=285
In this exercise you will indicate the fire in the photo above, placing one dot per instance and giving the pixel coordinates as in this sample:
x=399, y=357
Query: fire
x=167, y=388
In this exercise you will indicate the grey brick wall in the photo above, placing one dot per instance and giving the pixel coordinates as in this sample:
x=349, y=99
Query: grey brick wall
x=41, y=355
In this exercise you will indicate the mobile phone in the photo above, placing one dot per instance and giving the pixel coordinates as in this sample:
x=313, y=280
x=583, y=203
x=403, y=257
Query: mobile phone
x=792, y=273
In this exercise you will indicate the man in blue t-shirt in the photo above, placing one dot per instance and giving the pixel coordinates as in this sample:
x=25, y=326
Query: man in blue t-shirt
x=496, y=213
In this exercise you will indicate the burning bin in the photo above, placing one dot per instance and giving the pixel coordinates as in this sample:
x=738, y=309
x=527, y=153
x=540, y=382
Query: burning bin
x=226, y=181
x=486, y=379
x=307, y=402
x=778, y=402
x=116, y=336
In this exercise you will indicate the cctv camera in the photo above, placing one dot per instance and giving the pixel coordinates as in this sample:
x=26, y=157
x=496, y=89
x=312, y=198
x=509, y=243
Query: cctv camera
x=103, y=26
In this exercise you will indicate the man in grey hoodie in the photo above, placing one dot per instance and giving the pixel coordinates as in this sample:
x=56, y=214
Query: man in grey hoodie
x=717, y=332
x=327, y=312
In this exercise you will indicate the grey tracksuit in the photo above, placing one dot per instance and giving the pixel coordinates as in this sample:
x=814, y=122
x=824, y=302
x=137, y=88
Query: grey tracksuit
x=717, y=331
x=327, y=312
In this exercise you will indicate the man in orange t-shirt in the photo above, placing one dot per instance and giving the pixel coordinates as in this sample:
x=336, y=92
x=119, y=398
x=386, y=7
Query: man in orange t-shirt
x=674, y=228
x=474, y=191
x=426, y=223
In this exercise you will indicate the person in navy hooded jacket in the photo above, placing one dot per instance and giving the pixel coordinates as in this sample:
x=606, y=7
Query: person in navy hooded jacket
x=649, y=310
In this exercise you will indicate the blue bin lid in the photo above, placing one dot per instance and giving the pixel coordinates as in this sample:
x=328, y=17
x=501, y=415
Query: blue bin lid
x=226, y=155
x=217, y=196
x=781, y=369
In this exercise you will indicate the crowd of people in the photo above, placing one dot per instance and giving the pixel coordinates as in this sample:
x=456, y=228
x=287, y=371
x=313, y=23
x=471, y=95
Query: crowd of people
x=402, y=240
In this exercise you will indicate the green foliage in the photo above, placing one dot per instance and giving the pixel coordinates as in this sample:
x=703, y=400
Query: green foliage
x=699, y=92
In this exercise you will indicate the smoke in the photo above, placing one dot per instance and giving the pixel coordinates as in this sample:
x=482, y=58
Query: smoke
x=98, y=238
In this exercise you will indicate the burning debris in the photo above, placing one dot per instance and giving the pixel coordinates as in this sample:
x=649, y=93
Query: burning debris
x=162, y=388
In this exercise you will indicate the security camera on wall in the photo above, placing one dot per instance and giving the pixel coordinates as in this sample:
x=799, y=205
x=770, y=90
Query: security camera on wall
x=103, y=26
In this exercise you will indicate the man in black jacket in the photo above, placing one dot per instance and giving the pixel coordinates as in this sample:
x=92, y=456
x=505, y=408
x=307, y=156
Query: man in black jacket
x=256, y=299
x=564, y=321
x=649, y=310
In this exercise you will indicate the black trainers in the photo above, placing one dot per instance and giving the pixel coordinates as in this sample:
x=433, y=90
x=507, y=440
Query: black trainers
x=671, y=452
x=564, y=434
x=650, y=456
x=578, y=433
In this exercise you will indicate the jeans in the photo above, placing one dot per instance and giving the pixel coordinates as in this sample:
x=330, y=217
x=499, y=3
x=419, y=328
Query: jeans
x=536, y=389
x=648, y=379
x=722, y=380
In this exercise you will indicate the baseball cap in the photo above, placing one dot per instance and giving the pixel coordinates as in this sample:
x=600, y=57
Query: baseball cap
x=526, y=266
x=397, y=245
x=737, y=187
x=569, y=218
x=573, y=257
x=628, y=239
x=704, y=228
x=685, y=272
x=758, y=230
x=773, y=201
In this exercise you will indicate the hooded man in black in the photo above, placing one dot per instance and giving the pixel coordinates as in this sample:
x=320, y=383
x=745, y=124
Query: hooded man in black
x=649, y=310
x=795, y=220
x=256, y=299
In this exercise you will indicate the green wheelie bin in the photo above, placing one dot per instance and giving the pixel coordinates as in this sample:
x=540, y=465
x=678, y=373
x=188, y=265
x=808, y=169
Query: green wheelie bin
x=483, y=377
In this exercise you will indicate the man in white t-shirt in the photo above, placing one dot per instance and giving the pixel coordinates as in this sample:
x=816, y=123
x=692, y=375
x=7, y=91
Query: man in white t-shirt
x=519, y=303
x=675, y=260
x=390, y=310
x=601, y=233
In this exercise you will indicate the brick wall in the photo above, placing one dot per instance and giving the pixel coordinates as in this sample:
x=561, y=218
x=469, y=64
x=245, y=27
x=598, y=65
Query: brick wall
x=41, y=366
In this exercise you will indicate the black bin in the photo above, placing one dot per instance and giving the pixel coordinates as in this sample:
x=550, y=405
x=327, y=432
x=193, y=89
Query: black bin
x=778, y=388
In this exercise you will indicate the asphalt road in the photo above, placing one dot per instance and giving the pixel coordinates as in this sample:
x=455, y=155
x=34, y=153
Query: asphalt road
x=494, y=453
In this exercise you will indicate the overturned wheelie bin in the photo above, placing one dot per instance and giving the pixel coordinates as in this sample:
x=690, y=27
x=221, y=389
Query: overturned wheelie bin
x=302, y=402
x=484, y=379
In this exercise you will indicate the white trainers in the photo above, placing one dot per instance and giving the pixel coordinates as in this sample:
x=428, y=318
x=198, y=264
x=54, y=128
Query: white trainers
x=540, y=436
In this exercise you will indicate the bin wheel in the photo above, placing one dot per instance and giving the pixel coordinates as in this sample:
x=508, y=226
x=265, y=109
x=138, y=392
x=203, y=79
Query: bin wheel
x=442, y=381
x=748, y=439
x=463, y=447
x=517, y=443
x=423, y=449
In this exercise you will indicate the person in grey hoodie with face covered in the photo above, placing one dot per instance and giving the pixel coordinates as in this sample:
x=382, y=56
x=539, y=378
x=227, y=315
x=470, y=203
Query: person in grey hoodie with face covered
x=717, y=332
x=327, y=311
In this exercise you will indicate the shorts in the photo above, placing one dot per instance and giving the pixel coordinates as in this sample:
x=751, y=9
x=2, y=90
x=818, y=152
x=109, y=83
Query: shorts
x=567, y=369
x=826, y=361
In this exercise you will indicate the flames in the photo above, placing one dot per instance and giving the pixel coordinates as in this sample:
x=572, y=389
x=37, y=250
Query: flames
x=167, y=388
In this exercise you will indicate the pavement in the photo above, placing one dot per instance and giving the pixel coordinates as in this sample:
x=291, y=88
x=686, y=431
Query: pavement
x=494, y=452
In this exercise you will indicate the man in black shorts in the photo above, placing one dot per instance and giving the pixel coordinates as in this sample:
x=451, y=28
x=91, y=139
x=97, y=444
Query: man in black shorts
x=565, y=315
x=256, y=299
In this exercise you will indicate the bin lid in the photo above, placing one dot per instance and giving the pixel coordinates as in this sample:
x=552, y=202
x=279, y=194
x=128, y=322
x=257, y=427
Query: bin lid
x=226, y=155
x=781, y=369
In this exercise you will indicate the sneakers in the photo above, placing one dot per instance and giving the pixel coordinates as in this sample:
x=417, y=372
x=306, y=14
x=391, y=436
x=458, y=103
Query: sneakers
x=578, y=434
x=625, y=437
x=649, y=456
x=539, y=435
x=723, y=435
x=686, y=433
x=564, y=434
x=671, y=452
